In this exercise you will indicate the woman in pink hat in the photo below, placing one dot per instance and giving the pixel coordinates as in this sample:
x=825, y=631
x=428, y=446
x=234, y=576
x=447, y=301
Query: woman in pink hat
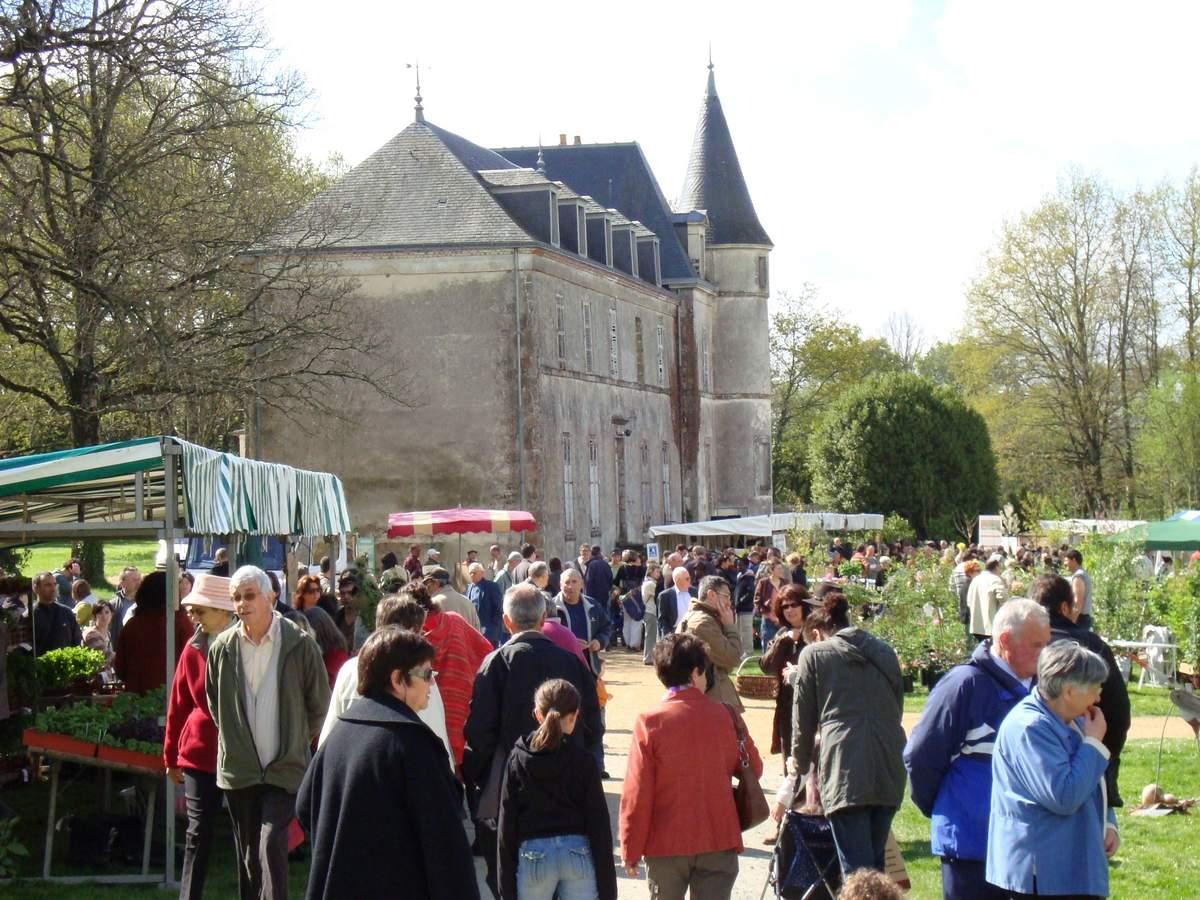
x=190, y=743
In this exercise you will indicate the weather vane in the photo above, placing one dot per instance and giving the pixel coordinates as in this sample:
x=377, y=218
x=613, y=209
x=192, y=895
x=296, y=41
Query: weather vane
x=420, y=110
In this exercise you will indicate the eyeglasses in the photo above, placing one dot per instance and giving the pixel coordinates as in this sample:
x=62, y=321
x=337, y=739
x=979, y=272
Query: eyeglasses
x=313, y=589
x=424, y=675
x=790, y=605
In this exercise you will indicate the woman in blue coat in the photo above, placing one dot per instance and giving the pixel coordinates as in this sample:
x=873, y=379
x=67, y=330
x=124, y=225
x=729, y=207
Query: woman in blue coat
x=1051, y=830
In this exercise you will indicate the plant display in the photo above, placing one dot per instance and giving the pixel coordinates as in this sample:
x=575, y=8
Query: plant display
x=919, y=618
x=10, y=847
x=132, y=722
x=60, y=669
x=368, y=591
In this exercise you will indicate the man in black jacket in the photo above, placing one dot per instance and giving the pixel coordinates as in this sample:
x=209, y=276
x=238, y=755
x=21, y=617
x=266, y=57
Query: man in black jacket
x=502, y=705
x=1055, y=595
x=54, y=625
x=673, y=602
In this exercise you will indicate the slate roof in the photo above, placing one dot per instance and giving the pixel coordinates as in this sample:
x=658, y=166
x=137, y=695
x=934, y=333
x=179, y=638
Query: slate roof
x=418, y=189
x=714, y=179
x=616, y=176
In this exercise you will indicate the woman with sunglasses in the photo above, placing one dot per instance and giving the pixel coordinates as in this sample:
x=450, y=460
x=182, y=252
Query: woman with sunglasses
x=380, y=780
x=790, y=609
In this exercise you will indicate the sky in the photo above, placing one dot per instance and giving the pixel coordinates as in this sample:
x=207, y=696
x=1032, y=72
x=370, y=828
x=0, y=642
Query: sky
x=885, y=143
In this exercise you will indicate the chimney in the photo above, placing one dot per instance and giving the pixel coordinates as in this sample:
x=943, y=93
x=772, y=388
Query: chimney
x=577, y=140
x=562, y=139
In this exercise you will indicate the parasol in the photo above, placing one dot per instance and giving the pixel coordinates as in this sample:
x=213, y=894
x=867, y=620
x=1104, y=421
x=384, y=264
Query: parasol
x=459, y=521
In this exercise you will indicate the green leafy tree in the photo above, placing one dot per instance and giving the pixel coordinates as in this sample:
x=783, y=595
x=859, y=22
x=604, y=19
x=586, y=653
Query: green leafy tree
x=898, y=443
x=1168, y=444
x=814, y=358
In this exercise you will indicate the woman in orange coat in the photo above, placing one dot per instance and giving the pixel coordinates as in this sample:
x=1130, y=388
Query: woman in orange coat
x=681, y=817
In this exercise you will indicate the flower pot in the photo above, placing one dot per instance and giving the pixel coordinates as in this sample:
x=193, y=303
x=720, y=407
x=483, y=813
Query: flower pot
x=149, y=761
x=60, y=743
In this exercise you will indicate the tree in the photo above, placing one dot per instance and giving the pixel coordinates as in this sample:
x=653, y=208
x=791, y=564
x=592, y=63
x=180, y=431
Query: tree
x=904, y=336
x=897, y=443
x=1179, y=246
x=1168, y=444
x=144, y=159
x=814, y=358
x=1046, y=302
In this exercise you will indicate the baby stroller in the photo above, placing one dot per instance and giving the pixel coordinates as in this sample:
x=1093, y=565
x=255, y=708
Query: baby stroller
x=805, y=863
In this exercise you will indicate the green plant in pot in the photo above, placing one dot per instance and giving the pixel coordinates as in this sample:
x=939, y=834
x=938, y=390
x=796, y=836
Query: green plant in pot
x=70, y=668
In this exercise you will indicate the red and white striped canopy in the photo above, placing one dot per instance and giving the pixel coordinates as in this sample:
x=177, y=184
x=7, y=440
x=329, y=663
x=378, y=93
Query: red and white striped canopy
x=459, y=521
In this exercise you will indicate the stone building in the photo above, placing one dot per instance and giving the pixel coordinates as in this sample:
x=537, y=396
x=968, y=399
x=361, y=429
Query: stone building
x=577, y=346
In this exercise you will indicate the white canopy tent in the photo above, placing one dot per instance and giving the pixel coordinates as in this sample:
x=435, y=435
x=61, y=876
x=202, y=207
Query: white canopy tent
x=767, y=525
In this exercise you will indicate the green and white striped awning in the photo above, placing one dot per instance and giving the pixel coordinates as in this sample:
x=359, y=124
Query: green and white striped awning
x=119, y=490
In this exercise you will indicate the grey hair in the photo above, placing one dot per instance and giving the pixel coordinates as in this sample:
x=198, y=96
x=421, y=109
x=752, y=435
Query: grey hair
x=1014, y=614
x=711, y=583
x=525, y=607
x=1066, y=662
x=250, y=573
x=675, y=574
x=570, y=574
x=538, y=569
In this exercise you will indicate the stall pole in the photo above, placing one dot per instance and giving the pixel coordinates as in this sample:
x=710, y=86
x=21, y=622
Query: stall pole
x=171, y=454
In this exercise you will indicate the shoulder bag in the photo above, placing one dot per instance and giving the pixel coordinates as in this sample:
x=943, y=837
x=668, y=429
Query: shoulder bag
x=748, y=797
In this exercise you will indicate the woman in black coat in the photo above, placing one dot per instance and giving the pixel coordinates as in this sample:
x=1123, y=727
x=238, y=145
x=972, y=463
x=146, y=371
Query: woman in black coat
x=378, y=803
x=791, y=610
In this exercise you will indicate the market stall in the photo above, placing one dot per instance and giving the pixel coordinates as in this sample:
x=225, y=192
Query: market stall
x=158, y=488
x=459, y=521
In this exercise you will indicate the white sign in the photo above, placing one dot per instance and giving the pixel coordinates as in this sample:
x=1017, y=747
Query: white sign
x=779, y=540
x=652, y=551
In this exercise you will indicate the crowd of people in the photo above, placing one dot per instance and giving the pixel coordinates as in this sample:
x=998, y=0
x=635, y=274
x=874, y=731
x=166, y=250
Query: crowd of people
x=461, y=724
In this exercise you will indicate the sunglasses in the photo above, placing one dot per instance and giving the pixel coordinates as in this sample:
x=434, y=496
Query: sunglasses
x=424, y=674
x=790, y=605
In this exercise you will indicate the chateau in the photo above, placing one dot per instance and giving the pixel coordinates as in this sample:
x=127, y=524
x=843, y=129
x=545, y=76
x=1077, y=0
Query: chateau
x=577, y=346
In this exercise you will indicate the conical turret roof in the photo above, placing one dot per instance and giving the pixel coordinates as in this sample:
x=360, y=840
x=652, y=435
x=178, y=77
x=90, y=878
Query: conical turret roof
x=714, y=179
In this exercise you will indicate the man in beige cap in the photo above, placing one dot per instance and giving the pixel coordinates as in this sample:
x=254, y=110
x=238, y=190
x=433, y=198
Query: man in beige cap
x=437, y=582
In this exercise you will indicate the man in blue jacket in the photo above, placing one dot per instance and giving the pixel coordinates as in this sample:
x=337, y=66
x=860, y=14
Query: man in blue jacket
x=489, y=603
x=949, y=755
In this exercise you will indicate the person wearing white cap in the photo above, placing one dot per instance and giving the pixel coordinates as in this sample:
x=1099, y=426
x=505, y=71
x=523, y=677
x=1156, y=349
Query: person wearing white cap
x=190, y=741
x=985, y=596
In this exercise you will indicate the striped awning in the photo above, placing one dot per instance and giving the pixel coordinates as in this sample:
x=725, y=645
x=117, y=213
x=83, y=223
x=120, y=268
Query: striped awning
x=459, y=521
x=124, y=482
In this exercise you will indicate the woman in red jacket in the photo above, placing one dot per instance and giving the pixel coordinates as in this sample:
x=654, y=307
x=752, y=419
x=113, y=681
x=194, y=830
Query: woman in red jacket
x=141, y=657
x=681, y=817
x=190, y=743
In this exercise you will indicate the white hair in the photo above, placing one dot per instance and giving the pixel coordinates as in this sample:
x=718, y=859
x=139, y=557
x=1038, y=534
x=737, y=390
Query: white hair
x=250, y=573
x=525, y=607
x=1015, y=613
x=675, y=575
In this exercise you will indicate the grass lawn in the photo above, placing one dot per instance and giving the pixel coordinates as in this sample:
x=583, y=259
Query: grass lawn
x=117, y=555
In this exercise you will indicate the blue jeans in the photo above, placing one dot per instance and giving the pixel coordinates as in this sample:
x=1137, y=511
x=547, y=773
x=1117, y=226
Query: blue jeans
x=766, y=631
x=562, y=864
x=860, y=835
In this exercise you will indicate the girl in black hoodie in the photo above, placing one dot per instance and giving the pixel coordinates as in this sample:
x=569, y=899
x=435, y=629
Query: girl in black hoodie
x=554, y=830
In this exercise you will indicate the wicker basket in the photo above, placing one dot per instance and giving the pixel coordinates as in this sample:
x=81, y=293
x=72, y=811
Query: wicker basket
x=755, y=687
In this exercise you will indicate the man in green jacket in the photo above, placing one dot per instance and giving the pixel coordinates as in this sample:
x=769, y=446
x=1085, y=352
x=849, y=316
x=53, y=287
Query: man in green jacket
x=267, y=692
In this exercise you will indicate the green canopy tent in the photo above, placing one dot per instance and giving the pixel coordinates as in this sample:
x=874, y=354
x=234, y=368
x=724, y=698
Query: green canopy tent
x=1180, y=532
x=159, y=488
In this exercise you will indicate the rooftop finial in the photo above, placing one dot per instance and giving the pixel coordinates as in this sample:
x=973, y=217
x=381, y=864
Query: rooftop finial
x=419, y=109
x=710, y=64
x=712, y=81
x=541, y=161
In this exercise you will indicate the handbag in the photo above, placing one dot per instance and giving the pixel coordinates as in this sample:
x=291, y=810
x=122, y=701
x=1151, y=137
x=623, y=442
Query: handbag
x=633, y=606
x=747, y=795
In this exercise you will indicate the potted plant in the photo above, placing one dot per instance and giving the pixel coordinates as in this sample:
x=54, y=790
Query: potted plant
x=69, y=670
x=134, y=735
x=73, y=729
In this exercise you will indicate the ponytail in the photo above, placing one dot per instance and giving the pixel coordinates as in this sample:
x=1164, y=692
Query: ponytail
x=555, y=700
